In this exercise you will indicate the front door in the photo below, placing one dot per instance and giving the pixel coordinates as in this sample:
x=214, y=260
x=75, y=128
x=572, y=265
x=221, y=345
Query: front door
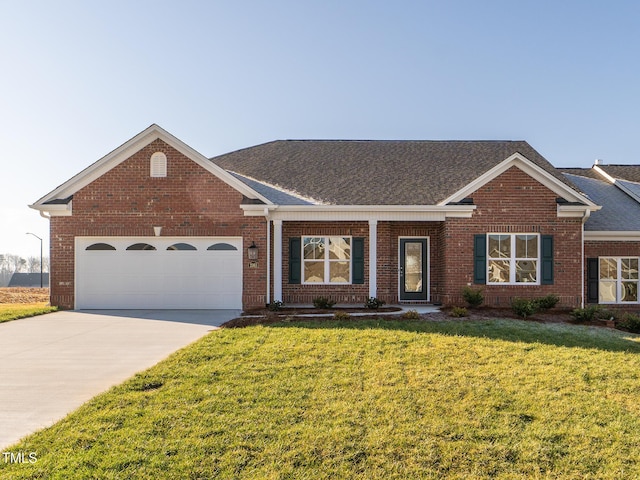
x=413, y=269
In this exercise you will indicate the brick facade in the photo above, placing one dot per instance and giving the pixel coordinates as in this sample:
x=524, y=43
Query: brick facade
x=126, y=201
x=190, y=201
x=513, y=203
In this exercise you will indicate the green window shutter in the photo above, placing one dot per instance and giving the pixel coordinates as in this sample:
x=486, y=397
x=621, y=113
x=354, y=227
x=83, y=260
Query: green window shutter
x=357, y=260
x=480, y=259
x=593, y=281
x=295, y=260
x=547, y=260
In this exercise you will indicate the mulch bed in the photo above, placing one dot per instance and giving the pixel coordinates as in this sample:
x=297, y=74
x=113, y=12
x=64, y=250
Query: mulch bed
x=265, y=317
x=23, y=295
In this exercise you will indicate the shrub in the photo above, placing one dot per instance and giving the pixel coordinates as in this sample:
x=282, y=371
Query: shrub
x=323, y=302
x=550, y=301
x=340, y=315
x=524, y=307
x=374, y=303
x=631, y=322
x=473, y=296
x=587, y=314
x=411, y=315
x=276, y=305
x=458, y=312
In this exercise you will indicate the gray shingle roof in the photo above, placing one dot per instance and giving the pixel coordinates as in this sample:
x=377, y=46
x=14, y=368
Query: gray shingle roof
x=619, y=211
x=624, y=172
x=375, y=172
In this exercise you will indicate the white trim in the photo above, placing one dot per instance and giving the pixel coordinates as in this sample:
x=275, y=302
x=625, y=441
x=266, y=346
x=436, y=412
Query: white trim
x=326, y=260
x=603, y=174
x=575, y=211
x=277, y=260
x=618, y=280
x=528, y=167
x=612, y=236
x=424, y=213
x=373, y=258
x=513, y=258
x=428, y=267
x=129, y=148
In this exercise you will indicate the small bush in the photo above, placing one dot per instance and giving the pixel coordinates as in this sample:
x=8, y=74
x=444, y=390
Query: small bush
x=411, y=315
x=458, y=312
x=524, y=307
x=548, y=302
x=276, y=305
x=587, y=314
x=340, y=315
x=374, y=303
x=323, y=302
x=631, y=322
x=473, y=296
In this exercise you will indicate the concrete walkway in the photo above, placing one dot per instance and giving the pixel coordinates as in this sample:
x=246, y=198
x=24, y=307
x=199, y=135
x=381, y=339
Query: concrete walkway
x=52, y=364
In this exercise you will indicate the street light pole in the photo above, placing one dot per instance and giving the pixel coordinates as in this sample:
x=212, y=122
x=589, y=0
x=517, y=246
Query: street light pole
x=29, y=233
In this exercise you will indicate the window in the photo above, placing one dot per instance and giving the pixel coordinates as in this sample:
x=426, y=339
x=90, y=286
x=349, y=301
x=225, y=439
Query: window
x=326, y=259
x=618, y=280
x=141, y=246
x=100, y=246
x=181, y=246
x=158, y=165
x=221, y=246
x=513, y=258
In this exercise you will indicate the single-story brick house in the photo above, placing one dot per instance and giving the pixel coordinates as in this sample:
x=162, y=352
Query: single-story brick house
x=155, y=224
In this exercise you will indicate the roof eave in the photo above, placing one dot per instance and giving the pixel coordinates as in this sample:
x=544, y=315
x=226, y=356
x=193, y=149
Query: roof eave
x=360, y=212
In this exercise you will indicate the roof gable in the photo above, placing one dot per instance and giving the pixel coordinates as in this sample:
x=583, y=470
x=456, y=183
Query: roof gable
x=57, y=201
x=534, y=171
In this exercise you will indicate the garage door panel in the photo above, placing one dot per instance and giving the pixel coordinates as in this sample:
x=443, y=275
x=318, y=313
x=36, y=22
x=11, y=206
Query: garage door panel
x=159, y=278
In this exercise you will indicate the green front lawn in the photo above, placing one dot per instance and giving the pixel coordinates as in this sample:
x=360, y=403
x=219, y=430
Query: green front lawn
x=14, y=311
x=373, y=399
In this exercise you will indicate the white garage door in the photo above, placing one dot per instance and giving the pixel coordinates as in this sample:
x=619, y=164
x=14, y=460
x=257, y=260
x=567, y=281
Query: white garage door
x=158, y=272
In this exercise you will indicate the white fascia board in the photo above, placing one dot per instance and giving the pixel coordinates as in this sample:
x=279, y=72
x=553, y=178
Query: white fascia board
x=528, y=167
x=433, y=213
x=612, y=236
x=126, y=150
x=55, y=210
x=565, y=211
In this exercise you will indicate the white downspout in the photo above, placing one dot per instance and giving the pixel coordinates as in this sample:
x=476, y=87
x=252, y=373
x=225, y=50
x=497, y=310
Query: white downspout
x=585, y=217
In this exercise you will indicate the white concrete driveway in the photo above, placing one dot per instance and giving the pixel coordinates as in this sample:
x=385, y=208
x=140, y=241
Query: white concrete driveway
x=52, y=364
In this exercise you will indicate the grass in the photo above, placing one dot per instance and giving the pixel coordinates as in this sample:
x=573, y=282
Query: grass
x=363, y=399
x=14, y=311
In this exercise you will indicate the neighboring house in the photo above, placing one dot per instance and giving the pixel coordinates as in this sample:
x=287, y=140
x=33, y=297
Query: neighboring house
x=31, y=280
x=403, y=221
x=612, y=235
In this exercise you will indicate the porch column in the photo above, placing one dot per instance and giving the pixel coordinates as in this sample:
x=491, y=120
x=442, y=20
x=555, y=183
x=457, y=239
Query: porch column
x=277, y=260
x=373, y=258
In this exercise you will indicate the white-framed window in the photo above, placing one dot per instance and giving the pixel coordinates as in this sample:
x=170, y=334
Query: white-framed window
x=326, y=260
x=618, y=279
x=513, y=258
x=158, y=165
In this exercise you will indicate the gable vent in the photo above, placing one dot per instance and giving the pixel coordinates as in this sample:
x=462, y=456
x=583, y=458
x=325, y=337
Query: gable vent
x=158, y=165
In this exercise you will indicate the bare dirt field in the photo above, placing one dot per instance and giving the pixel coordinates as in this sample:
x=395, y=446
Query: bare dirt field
x=24, y=295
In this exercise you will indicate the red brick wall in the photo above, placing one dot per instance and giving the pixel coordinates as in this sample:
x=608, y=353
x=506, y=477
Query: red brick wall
x=126, y=201
x=513, y=203
x=304, y=294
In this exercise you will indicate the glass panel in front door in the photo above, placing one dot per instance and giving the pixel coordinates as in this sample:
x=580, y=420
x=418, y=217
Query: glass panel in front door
x=413, y=267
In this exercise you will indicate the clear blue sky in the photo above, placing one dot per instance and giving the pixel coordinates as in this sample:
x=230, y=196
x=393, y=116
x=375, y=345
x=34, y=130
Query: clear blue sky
x=79, y=78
